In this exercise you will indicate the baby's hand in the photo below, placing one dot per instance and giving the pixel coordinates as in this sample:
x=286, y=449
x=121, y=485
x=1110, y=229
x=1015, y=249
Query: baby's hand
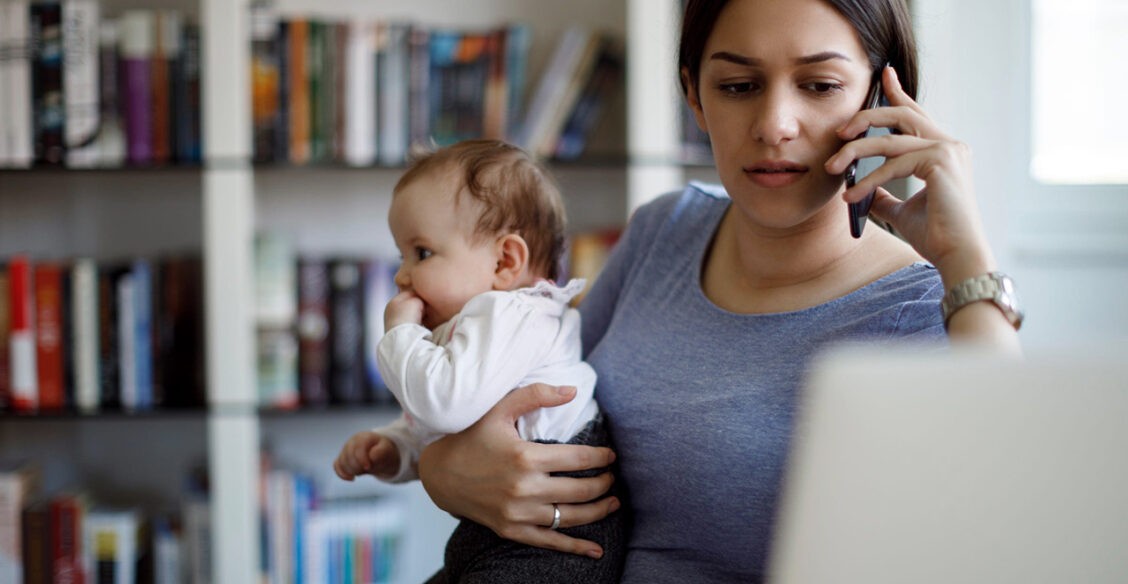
x=403, y=308
x=367, y=453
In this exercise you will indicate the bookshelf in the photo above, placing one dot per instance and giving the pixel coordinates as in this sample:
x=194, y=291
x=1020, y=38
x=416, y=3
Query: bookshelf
x=216, y=208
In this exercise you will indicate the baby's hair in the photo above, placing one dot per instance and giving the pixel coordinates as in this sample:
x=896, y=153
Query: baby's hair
x=515, y=193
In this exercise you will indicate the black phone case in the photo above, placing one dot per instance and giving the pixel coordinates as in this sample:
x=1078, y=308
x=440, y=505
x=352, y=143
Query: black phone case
x=858, y=169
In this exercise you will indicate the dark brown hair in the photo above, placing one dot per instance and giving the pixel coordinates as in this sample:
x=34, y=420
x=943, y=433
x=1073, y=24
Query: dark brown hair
x=884, y=27
x=515, y=194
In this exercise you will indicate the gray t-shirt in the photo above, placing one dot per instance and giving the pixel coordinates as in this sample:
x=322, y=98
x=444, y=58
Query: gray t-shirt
x=701, y=401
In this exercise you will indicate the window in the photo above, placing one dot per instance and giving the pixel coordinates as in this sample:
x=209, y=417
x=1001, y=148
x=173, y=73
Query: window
x=1079, y=116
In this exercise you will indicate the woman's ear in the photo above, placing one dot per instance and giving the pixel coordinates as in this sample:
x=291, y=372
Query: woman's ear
x=512, y=261
x=693, y=98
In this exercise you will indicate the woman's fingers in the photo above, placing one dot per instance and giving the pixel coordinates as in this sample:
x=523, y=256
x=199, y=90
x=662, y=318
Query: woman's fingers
x=567, y=457
x=888, y=146
x=531, y=397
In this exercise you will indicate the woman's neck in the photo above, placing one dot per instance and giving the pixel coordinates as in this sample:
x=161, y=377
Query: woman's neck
x=751, y=269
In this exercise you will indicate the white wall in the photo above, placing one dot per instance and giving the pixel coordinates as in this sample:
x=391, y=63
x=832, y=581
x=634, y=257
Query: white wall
x=1067, y=247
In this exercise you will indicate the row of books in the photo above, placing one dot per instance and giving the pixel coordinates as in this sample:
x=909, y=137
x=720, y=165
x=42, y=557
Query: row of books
x=367, y=92
x=70, y=537
x=318, y=322
x=80, y=335
x=82, y=90
x=313, y=541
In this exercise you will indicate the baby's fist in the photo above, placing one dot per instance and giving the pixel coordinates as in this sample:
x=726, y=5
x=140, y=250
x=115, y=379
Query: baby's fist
x=403, y=308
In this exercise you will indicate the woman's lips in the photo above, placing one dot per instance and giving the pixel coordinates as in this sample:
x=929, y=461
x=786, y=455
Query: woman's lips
x=775, y=173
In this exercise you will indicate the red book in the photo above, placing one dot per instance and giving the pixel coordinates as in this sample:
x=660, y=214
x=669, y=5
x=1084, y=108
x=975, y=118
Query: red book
x=5, y=334
x=67, y=512
x=24, y=392
x=49, y=335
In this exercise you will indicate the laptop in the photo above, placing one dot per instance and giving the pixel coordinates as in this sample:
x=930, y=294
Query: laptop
x=957, y=467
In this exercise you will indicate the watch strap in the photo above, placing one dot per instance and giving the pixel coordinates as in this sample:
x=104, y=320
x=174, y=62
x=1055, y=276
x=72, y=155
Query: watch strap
x=996, y=287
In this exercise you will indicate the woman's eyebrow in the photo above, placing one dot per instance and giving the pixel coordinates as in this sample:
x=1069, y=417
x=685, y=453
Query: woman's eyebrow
x=755, y=62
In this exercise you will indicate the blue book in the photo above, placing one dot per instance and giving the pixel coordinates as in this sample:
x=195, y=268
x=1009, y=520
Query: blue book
x=143, y=332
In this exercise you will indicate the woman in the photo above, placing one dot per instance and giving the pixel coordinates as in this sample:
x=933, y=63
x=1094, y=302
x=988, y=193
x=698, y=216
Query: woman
x=712, y=305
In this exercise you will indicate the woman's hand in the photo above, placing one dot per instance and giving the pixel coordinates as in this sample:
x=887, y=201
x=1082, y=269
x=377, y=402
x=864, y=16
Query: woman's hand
x=488, y=474
x=942, y=220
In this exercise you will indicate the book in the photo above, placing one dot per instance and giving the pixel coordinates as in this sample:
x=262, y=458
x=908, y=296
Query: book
x=313, y=331
x=136, y=47
x=16, y=52
x=49, y=315
x=109, y=145
x=68, y=511
x=346, y=331
x=392, y=66
x=166, y=52
x=141, y=275
x=354, y=540
x=81, y=39
x=36, y=542
x=180, y=335
x=265, y=90
x=112, y=545
x=599, y=88
x=48, y=105
x=19, y=482
x=277, y=368
x=5, y=334
x=298, y=99
x=518, y=41
x=167, y=544
x=418, y=88
x=21, y=341
x=321, y=89
x=124, y=296
x=85, y=351
x=360, y=133
x=197, y=538
x=109, y=336
x=186, y=97
x=556, y=91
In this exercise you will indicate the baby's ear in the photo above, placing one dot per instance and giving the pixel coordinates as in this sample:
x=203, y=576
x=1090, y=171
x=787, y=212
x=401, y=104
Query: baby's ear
x=512, y=261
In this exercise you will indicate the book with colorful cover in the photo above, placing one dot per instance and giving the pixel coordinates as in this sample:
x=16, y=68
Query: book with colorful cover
x=5, y=334
x=24, y=395
x=265, y=90
x=48, y=104
x=81, y=38
x=136, y=28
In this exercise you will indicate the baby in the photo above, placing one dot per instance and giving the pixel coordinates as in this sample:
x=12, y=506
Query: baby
x=481, y=228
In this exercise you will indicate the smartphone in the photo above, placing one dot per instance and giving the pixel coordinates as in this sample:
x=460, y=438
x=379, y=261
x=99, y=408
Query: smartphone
x=860, y=168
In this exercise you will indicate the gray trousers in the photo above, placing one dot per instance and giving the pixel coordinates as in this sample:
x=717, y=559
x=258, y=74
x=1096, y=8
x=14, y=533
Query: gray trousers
x=476, y=555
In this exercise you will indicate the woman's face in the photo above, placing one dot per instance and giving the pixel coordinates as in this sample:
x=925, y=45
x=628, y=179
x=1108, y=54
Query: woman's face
x=778, y=77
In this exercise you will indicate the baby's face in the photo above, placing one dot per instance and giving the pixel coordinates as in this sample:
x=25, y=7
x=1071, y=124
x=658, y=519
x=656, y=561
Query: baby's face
x=442, y=263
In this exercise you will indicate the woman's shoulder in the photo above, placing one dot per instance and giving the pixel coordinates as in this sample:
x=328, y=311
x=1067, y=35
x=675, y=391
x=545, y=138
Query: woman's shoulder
x=695, y=205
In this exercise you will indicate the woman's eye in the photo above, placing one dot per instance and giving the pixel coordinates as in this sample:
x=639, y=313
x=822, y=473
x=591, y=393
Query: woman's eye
x=738, y=88
x=823, y=87
x=422, y=253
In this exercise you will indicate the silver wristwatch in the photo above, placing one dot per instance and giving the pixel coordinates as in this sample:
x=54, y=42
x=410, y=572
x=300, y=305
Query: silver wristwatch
x=994, y=286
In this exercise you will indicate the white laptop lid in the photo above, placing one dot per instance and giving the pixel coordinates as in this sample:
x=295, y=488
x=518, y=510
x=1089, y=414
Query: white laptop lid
x=958, y=468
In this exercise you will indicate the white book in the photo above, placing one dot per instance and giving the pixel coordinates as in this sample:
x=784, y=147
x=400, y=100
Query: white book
x=393, y=88
x=167, y=544
x=110, y=543
x=81, y=35
x=360, y=94
x=84, y=315
x=4, y=84
x=21, y=147
x=197, y=542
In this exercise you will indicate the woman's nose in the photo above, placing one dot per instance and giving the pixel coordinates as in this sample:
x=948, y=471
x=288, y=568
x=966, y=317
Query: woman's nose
x=776, y=121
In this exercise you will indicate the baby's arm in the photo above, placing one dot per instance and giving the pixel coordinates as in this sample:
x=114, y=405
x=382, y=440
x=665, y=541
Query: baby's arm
x=496, y=341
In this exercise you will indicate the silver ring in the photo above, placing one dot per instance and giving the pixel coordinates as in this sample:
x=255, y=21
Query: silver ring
x=555, y=517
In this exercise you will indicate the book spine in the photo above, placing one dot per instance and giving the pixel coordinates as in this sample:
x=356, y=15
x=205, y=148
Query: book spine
x=66, y=539
x=299, y=99
x=181, y=332
x=49, y=335
x=5, y=335
x=495, y=103
x=419, y=77
x=80, y=80
x=48, y=106
x=110, y=143
x=189, y=138
x=166, y=51
x=264, y=81
x=394, y=114
x=346, y=340
x=127, y=339
x=136, y=28
x=142, y=284
x=360, y=94
x=84, y=315
x=317, y=67
x=36, y=544
x=313, y=332
x=21, y=143
x=110, y=381
x=25, y=391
